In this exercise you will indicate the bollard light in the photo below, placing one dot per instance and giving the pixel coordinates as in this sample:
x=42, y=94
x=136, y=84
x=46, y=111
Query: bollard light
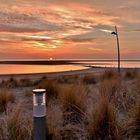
x=39, y=109
x=39, y=114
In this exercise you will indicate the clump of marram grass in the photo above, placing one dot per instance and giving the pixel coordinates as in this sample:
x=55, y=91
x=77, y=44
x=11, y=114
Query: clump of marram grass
x=122, y=94
x=28, y=93
x=74, y=132
x=109, y=74
x=2, y=129
x=110, y=88
x=67, y=79
x=137, y=85
x=63, y=79
x=73, y=99
x=130, y=74
x=51, y=88
x=132, y=129
x=54, y=122
x=10, y=83
x=90, y=79
x=56, y=130
x=16, y=126
x=117, y=94
x=13, y=83
x=25, y=82
x=5, y=98
x=102, y=124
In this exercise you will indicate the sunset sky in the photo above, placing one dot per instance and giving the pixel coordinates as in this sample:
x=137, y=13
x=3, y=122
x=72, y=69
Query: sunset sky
x=65, y=29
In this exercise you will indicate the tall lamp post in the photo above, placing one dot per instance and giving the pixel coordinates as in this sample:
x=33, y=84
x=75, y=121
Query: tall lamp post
x=118, y=45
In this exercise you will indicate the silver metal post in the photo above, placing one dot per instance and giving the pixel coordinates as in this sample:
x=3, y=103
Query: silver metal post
x=39, y=114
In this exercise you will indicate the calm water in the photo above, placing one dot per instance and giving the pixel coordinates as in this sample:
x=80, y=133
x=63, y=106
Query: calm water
x=20, y=69
x=124, y=64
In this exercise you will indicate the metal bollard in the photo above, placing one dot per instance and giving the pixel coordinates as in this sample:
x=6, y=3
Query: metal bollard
x=39, y=114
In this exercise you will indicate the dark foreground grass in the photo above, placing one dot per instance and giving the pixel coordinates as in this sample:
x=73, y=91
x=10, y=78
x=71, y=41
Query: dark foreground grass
x=103, y=123
x=106, y=108
x=6, y=97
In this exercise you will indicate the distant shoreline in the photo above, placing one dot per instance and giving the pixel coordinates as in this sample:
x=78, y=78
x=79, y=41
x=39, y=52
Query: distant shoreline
x=48, y=62
x=59, y=62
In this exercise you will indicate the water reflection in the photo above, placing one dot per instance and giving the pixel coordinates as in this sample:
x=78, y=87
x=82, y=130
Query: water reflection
x=18, y=69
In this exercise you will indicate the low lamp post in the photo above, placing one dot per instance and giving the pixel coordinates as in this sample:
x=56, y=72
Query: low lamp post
x=39, y=114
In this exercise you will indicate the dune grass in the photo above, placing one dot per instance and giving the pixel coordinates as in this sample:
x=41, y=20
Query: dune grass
x=109, y=74
x=25, y=82
x=5, y=98
x=73, y=99
x=130, y=74
x=90, y=79
x=132, y=130
x=51, y=87
x=103, y=124
x=16, y=126
x=54, y=122
x=73, y=111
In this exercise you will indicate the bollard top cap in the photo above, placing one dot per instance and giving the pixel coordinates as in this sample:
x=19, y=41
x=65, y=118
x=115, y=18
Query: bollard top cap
x=39, y=91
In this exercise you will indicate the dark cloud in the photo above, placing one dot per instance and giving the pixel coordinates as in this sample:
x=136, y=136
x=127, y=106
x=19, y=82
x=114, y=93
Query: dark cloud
x=10, y=28
x=20, y=22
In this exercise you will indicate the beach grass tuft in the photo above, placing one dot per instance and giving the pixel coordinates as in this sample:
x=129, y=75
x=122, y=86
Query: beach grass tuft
x=103, y=123
x=5, y=98
x=73, y=99
x=90, y=79
x=51, y=87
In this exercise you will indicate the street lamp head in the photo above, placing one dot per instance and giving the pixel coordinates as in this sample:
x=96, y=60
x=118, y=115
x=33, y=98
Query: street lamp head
x=114, y=33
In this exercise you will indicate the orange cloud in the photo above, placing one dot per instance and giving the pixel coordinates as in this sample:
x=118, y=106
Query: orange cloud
x=65, y=29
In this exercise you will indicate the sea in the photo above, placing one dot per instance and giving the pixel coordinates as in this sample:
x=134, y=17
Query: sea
x=74, y=65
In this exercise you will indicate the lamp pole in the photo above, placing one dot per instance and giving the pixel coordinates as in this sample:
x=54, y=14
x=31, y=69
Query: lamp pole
x=118, y=46
x=39, y=114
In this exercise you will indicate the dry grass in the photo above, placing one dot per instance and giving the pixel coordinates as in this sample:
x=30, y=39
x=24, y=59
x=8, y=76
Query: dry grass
x=73, y=99
x=68, y=79
x=90, y=79
x=54, y=122
x=25, y=82
x=111, y=90
x=131, y=74
x=137, y=85
x=118, y=94
x=14, y=83
x=16, y=126
x=109, y=74
x=73, y=132
x=132, y=130
x=69, y=105
x=5, y=98
x=10, y=83
x=103, y=124
x=56, y=128
x=51, y=87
